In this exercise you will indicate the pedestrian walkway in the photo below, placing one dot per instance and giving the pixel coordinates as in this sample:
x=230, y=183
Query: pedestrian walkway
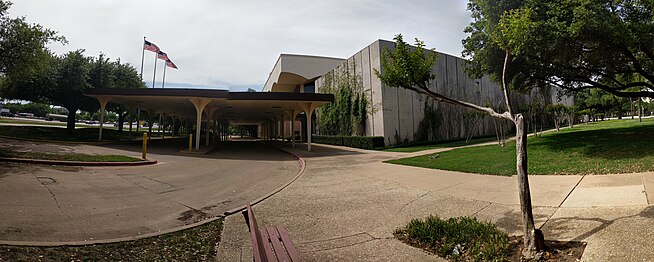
x=347, y=204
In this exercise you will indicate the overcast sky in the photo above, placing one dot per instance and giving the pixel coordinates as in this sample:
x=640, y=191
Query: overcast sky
x=233, y=44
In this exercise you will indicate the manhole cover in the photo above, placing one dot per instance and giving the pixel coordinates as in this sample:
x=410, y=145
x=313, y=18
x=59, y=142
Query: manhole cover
x=46, y=180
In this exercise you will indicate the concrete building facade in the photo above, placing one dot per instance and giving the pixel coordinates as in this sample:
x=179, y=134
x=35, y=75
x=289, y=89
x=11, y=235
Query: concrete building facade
x=400, y=115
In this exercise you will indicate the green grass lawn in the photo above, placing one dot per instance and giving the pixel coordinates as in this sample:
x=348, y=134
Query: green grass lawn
x=69, y=156
x=27, y=122
x=416, y=148
x=195, y=244
x=616, y=146
x=86, y=134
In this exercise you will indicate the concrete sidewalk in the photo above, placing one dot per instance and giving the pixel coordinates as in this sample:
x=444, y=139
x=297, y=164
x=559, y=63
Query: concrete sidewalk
x=347, y=204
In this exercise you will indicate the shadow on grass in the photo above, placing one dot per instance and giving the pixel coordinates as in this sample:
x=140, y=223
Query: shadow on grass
x=609, y=143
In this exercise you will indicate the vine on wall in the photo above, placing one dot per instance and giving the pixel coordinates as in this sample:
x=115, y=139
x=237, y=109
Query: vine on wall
x=428, y=126
x=346, y=116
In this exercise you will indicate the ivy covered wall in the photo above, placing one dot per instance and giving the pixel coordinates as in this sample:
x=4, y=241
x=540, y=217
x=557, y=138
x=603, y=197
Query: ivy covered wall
x=347, y=114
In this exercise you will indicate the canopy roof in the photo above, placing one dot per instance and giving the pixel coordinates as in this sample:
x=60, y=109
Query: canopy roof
x=237, y=107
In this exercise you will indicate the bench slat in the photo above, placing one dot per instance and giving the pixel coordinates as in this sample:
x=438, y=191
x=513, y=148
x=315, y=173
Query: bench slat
x=255, y=237
x=290, y=248
x=266, y=244
x=278, y=246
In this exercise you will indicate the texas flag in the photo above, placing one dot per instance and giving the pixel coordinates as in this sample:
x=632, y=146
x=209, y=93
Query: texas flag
x=147, y=45
x=170, y=64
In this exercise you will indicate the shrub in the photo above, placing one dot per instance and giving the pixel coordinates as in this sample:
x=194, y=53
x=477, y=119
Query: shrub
x=364, y=142
x=460, y=237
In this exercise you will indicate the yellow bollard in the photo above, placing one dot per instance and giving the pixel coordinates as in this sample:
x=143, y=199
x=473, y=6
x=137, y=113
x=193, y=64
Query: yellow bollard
x=145, y=145
x=190, y=143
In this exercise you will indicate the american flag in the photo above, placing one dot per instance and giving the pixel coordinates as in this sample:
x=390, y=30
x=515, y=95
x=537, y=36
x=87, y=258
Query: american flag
x=147, y=45
x=162, y=56
x=170, y=64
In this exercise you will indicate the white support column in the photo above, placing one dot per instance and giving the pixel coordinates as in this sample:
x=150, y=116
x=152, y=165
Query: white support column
x=294, y=114
x=282, y=127
x=103, y=104
x=308, y=110
x=199, y=104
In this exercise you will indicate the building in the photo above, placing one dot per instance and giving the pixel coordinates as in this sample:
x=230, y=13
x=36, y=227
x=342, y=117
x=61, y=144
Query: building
x=398, y=114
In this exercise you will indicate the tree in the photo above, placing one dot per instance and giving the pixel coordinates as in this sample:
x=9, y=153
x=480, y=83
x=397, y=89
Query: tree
x=23, y=54
x=558, y=112
x=412, y=70
x=72, y=80
x=571, y=44
x=22, y=45
x=122, y=76
x=251, y=90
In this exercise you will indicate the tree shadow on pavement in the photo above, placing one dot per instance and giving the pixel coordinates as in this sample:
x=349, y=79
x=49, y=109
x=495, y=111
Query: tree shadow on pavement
x=567, y=224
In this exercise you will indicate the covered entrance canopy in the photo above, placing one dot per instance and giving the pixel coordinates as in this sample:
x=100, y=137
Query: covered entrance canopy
x=264, y=109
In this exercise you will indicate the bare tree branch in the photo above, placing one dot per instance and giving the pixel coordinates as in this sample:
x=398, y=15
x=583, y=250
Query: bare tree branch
x=505, y=87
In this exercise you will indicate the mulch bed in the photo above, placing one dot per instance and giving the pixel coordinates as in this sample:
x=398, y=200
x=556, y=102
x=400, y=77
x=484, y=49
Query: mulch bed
x=565, y=251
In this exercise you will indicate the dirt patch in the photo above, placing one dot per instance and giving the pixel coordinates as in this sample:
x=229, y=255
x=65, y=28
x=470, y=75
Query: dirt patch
x=566, y=251
x=193, y=215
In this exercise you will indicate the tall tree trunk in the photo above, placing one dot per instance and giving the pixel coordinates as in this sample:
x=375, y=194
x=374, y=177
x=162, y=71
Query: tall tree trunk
x=70, y=121
x=640, y=110
x=631, y=104
x=533, y=238
x=121, y=120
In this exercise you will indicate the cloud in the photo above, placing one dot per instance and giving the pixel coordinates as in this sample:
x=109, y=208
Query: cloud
x=234, y=44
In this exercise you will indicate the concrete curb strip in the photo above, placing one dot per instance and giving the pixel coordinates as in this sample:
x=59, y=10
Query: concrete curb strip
x=108, y=241
x=75, y=163
x=171, y=230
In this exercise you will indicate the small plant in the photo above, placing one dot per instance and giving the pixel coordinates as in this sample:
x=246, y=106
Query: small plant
x=459, y=238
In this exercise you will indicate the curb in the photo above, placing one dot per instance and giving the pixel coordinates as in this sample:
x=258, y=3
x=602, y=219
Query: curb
x=74, y=163
x=303, y=166
x=301, y=162
x=108, y=241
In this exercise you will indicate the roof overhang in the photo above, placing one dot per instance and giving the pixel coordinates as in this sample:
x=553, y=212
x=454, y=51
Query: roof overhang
x=294, y=70
x=241, y=107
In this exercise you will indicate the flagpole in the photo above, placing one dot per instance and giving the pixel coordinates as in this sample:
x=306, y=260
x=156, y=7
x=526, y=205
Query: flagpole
x=155, y=69
x=164, y=76
x=142, y=57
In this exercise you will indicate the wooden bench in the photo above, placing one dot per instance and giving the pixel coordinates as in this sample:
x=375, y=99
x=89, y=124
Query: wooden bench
x=269, y=244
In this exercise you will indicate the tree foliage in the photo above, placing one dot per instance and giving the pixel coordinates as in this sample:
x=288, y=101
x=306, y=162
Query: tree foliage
x=571, y=44
x=22, y=45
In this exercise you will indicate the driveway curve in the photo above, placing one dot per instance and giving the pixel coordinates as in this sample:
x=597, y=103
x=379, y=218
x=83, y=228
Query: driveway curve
x=94, y=204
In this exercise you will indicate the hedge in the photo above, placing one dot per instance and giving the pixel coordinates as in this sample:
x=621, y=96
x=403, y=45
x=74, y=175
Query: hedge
x=364, y=142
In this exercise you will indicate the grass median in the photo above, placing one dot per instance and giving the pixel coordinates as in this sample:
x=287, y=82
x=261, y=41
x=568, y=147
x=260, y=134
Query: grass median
x=195, y=244
x=86, y=134
x=68, y=156
x=608, y=147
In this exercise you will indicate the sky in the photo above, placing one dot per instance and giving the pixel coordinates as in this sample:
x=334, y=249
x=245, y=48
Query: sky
x=233, y=44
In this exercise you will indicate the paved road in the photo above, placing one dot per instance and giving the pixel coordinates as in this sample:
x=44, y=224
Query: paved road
x=347, y=204
x=46, y=203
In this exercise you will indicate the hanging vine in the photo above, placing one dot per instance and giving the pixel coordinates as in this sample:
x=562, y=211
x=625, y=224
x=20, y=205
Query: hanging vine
x=347, y=114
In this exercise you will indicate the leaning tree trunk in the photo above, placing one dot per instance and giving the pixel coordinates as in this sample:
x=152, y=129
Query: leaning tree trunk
x=533, y=238
x=70, y=121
